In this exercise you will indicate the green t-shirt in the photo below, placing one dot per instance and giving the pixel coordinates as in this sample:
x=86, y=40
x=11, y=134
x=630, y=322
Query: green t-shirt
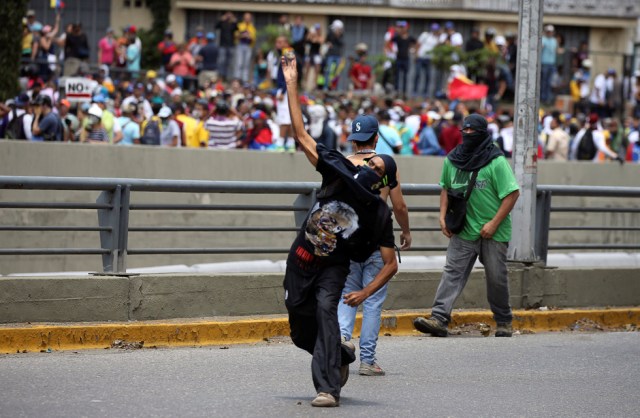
x=495, y=181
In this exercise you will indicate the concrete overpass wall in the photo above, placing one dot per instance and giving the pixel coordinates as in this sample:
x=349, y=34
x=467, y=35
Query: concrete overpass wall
x=149, y=297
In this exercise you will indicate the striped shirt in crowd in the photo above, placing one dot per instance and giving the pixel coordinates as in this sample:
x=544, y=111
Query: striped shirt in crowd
x=98, y=135
x=222, y=132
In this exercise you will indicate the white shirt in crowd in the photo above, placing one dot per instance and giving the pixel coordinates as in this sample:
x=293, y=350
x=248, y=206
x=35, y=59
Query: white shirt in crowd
x=27, y=121
x=598, y=140
x=426, y=42
x=598, y=93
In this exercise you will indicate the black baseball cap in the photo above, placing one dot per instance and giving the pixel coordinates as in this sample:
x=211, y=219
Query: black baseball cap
x=476, y=122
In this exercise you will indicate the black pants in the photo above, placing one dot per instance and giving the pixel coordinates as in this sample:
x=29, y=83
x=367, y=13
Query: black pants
x=314, y=328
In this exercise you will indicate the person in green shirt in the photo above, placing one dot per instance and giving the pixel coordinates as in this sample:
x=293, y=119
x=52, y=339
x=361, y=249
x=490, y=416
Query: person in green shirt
x=487, y=228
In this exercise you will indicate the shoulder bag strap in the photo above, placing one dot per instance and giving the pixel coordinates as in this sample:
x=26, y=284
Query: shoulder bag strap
x=471, y=185
x=385, y=140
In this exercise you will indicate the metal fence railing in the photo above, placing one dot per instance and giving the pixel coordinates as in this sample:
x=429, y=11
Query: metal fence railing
x=114, y=206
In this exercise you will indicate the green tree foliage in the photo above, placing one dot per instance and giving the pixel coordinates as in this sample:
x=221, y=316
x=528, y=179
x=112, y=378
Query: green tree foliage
x=11, y=14
x=160, y=10
x=266, y=37
x=444, y=56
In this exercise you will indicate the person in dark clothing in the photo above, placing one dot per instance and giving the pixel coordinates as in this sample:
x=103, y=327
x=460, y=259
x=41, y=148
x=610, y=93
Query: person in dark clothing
x=348, y=221
x=227, y=27
x=208, y=58
x=404, y=41
x=478, y=169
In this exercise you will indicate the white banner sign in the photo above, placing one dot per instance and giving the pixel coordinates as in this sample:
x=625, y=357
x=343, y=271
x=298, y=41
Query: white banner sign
x=79, y=89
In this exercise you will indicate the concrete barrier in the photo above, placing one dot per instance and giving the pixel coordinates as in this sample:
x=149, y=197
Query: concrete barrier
x=159, y=297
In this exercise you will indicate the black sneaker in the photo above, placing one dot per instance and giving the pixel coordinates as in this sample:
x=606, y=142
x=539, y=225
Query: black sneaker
x=431, y=326
x=504, y=329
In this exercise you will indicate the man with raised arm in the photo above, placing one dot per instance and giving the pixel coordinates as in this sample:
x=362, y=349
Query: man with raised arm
x=348, y=221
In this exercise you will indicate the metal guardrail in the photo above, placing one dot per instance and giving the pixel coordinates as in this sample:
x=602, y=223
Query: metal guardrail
x=114, y=205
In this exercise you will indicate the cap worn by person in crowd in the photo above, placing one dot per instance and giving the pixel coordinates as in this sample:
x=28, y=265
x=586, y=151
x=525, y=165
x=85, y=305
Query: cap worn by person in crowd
x=611, y=71
x=171, y=78
x=549, y=28
x=402, y=23
x=31, y=13
x=593, y=119
x=36, y=27
x=435, y=27
x=133, y=29
x=22, y=99
x=152, y=74
x=211, y=36
x=109, y=30
x=65, y=103
x=476, y=122
x=164, y=112
x=99, y=98
x=199, y=34
x=337, y=24
x=449, y=25
x=587, y=63
x=490, y=31
x=501, y=40
x=94, y=110
x=363, y=128
x=139, y=86
x=259, y=114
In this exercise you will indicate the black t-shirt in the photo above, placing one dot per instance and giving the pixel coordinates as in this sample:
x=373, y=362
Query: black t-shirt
x=337, y=44
x=227, y=31
x=345, y=223
x=403, y=45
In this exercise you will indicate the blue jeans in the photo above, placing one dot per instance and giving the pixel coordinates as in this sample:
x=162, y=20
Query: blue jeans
x=461, y=256
x=331, y=61
x=243, y=61
x=546, y=74
x=402, y=70
x=360, y=275
x=423, y=66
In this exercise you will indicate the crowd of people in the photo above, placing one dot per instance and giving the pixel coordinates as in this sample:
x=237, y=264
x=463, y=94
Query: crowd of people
x=212, y=92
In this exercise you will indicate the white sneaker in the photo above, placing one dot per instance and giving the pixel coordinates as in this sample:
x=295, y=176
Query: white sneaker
x=325, y=400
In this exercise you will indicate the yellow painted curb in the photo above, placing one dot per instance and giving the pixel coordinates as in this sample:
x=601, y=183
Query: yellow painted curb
x=537, y=321
x=195, y=333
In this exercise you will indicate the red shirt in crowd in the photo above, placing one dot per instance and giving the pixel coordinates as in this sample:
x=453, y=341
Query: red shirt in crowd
x=360, y=74
x=450, y=137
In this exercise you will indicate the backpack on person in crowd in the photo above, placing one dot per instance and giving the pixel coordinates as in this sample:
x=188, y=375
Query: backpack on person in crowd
x=15, y=128
x=587, y=148
x=151, y=131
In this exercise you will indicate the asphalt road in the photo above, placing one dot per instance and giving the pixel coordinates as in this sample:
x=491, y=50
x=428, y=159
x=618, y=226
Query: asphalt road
x=551, y=375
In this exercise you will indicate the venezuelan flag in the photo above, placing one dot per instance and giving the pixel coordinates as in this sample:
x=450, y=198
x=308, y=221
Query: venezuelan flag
x=462, y=88
x=57, y=4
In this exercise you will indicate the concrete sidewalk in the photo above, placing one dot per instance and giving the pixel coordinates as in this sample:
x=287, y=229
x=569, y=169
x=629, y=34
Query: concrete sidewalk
x=241, y=330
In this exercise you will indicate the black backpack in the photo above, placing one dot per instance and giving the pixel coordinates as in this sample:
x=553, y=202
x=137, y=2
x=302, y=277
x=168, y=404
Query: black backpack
x=15, y=128
x=587, y=148
x=151, y=131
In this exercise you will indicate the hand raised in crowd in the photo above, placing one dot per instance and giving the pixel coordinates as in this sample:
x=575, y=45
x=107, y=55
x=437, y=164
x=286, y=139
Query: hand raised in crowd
x=289, y=69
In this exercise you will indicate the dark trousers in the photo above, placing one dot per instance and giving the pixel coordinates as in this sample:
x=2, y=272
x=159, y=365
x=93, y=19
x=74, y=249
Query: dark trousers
x=402, y=70
x=315, y=329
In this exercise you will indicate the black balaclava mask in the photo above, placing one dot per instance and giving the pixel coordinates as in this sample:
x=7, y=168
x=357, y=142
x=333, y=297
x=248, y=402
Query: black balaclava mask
x=370, y=180
x=471, y=141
